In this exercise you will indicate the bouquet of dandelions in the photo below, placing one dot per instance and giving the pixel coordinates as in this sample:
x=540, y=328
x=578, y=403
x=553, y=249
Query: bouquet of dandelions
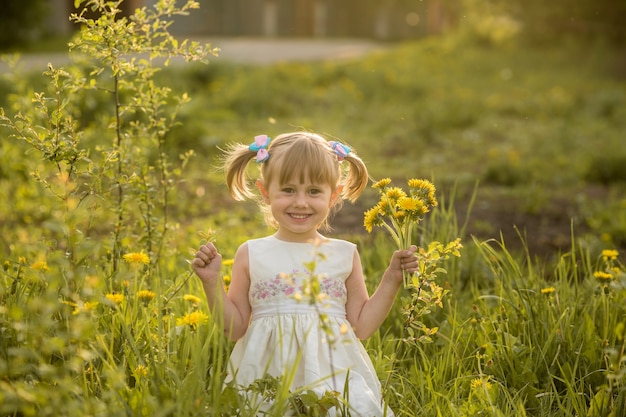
x=399, y=212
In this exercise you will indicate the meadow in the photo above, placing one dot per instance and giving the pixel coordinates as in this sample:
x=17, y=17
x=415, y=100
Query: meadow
x=108, y=182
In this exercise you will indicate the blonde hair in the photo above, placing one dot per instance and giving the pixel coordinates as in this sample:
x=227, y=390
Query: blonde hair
x=300, y=155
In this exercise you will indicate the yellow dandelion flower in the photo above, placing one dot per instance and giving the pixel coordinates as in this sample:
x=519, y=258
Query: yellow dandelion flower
x=141, y=372
x=21, y=260
x=382, y=183
x=602, y=276
x=408, y=203
x=547, y=290
x=115, y=298
x=40, y=266
x=385, y=206
x=413, y=205
x=192, y=319
x=371, y=218
x=191, y=298
x=415, y=183
x=478, y=383
x=424, y=186
x=90, y=305
x=136, y=258
x=395, y=193
x=400, y=214
x=609, y=254
x=228, y=262
x=146, y=295
x=226, y=280
x=85, y=307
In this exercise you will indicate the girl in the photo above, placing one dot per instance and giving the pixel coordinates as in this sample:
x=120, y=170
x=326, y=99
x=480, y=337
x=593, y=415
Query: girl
x=302, y=179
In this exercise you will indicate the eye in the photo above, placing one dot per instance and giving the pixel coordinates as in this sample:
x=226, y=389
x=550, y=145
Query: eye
x=288, y=190
x=315, y=191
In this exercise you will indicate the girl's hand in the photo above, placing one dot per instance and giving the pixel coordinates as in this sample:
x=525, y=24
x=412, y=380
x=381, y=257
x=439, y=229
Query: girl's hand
x=402, y=260
x=207, y=263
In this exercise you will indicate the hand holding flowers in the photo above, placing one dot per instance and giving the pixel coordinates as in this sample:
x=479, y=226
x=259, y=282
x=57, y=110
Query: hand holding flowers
x=399, y=212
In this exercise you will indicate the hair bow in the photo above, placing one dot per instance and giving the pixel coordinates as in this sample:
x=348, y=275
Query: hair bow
x=340, y=149
x=260, y=144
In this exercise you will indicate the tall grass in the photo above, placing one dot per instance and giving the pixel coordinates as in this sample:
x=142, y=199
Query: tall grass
x=514, y=339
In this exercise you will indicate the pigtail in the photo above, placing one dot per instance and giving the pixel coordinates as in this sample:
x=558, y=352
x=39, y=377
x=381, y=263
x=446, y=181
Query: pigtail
x=235, y=162
x=356, y=178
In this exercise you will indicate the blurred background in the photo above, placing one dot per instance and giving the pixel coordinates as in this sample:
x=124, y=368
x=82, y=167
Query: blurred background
x=525, y=97
x=26, y=22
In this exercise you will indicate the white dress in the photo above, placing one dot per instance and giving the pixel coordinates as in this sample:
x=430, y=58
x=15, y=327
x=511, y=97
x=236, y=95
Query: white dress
x=285, y=334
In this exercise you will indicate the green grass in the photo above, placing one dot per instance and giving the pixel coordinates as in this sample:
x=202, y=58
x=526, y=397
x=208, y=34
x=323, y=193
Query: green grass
x=517, y=335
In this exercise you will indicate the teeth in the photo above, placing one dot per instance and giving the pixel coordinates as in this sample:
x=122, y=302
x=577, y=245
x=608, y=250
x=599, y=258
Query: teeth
x=299, y=216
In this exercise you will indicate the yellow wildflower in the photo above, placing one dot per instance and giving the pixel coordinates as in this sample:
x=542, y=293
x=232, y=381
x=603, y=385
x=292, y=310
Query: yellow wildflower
x=226, y=279
x=88, y=306
x=415, y=183
x=423, y=189
x=21, y=260
x=115, y=298
x=415, y=206
x=136, y=258
x=192, y=319
x=141, y=372
x=478, y=383
x=146, y=295
x=371, y=218
x=228, y=262
x=85, y=307
x=602, y=277
x=408, y=203
x=395, y=193
x=547, y=290
x=382, y=183
x=191, y=298
x=609, y=254
x=40, y=266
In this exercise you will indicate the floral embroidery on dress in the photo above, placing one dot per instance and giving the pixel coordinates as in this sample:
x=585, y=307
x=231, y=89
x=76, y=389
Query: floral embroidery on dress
x=333, y=287
x=280, y=285
x=284, y=285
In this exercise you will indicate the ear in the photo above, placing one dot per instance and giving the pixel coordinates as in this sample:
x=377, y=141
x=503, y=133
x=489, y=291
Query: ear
x=335, y=195
x=261, y=186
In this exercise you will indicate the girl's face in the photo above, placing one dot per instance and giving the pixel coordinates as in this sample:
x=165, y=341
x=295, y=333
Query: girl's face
x=298, y=208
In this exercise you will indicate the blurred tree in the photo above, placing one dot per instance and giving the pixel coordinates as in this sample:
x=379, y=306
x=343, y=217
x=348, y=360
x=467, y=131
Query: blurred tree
x=580, y=19
x=21, y=21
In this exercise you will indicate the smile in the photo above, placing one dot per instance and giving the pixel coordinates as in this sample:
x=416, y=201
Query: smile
x=299, y=216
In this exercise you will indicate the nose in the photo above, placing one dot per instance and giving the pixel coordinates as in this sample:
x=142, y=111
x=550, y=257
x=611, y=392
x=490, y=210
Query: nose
x=301, y=200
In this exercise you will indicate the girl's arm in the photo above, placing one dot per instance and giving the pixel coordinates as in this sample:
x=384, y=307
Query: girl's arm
x=365, y=313
x=234, y=306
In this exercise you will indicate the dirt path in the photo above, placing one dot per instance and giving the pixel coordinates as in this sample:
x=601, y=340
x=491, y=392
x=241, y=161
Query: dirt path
x=261, y=51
